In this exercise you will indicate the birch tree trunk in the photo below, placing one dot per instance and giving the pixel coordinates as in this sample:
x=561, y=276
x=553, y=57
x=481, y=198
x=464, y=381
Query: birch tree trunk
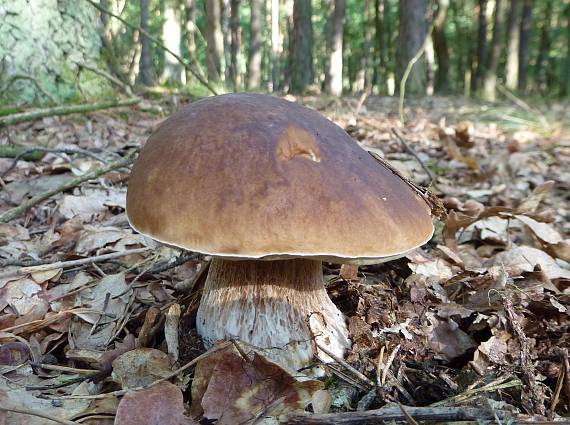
x=513, y=38
x=489, y=91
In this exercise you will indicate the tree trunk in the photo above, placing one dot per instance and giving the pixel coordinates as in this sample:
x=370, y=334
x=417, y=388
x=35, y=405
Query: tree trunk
x=302, y=46
x=440, y=47
x=481, y=47
x=145, y=64
x=490, y=79
x=190, y=8
x=412, y=33
x=172, y=36
x=235, y=44
x=334, y=82
x=254, y=59
x=379, y=66
x=366, y=58
x=566, y=70
x=275, y=48
x=214, y=40
x=542, y=71
x=226, y=39
x=524, y=42
x=513, y=38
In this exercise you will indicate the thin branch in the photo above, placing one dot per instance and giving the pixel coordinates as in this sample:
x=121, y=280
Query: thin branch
x=391, y=413
x=19, y=210
x=33, y=80
x=156, y=41
x=408, y=71
x=69, y=151
x=72, y=263
x=39, y=414
x=343, y=363
x=415, y=155
x=125, y=87
x=62, y=110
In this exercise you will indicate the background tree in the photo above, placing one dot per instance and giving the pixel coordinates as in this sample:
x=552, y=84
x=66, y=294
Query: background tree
x=214, y=40
x=301, y=46
x=173, y=72
x=513, y=39
x=275, y=44
x=254, y=59
x=411, y=35
x=440, y=46
x=334, y=80
x=145, y=64
x=481, y=45
x=524, y=42
x=490, y=75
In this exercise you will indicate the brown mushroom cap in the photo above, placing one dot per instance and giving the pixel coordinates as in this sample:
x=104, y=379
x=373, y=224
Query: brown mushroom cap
x=254, y=176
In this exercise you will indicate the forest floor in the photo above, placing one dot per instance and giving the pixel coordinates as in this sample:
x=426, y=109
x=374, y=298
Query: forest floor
x=479, y=317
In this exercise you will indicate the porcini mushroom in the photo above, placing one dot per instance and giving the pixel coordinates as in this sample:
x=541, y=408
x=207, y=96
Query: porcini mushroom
x=270, y=189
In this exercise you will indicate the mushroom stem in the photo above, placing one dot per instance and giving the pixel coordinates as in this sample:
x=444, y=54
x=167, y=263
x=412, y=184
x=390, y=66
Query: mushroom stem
x=280, y=306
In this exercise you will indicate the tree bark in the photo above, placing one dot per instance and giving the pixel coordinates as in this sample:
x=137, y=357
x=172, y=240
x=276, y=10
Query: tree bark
x=145, y=64
x=513, y=38
x=334, y=82
x=190, y=8
x=524, y=42
x=302, y=46
x=566, y=70
x=275, y=48
x=490, y=79
x=440, y=46
x=254, y=59
x=367, y=46
x=235, y=44
x=481, y=47
x=412, y=33
x=214, y=41
x=542, y=71
x=379, y=68
x=226, y=39
x=172, y=36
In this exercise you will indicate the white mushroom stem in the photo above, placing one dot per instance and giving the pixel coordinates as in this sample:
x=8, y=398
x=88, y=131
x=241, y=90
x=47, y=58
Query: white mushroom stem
x=279, y=306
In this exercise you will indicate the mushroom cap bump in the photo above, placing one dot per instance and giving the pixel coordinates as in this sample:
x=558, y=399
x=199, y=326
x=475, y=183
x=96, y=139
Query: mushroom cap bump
x=254, y=176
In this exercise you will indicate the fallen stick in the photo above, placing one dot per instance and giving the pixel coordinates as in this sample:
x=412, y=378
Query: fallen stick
x=20, y=209
x=39, y=414
x=72, y=263
x=62, y=110
x=396, y=414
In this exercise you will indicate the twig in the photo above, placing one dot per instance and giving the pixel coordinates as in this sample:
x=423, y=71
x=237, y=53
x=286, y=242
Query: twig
x=156, y=41
x=177, y=372
x=19, y=210
x=72, y=263
x=392, y=413
x=522, y=104
x=63, y=110
x=409, y=418
x=415, y=155
x=407, y=72
x=126, y=88
x=69, y=151
x=33, y=80
x=559, y=383
x=529, y=373
x=39, y=414
x=340, y=361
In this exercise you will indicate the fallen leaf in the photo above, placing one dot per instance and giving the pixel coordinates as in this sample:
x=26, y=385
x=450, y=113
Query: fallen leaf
x=140, y=367
x=161, y=404
x=241, y=391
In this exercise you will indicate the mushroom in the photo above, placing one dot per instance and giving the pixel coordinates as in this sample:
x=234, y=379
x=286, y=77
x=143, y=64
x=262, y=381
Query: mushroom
x=270, y=189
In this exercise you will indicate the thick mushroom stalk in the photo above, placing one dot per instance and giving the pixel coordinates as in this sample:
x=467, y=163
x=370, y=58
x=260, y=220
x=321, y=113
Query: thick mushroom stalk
x=279, y=306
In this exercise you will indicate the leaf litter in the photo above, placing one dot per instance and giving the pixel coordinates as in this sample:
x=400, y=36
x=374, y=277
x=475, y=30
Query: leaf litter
x=476, y=318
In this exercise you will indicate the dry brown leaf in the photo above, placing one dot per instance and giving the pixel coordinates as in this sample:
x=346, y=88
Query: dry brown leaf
x=446, y=338
x=161, y=404
x=241, y=391
x=524, y=259
x=140, y=367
